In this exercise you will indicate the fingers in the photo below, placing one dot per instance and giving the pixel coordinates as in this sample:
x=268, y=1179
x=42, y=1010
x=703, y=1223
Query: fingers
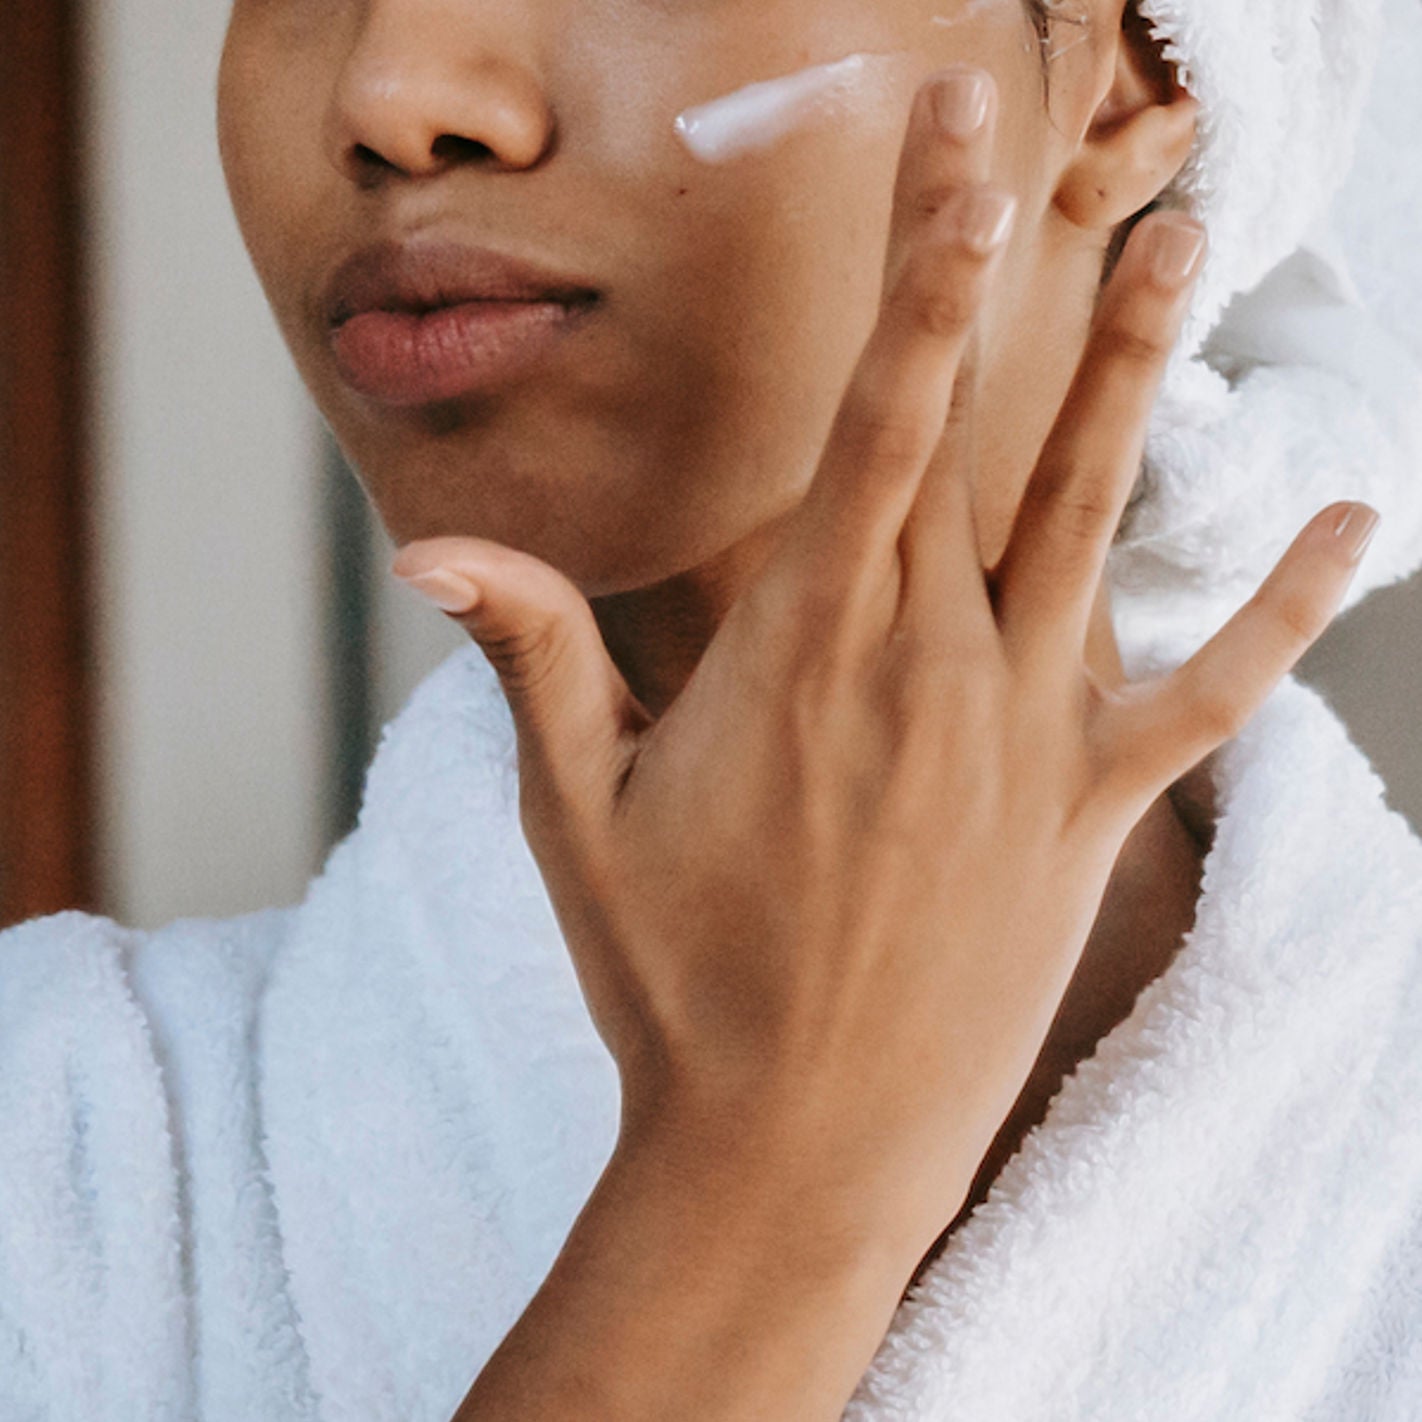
x=1047, y=577
x=1172, y=723
x=570, y=704
x=938, y=545
x=947, y=233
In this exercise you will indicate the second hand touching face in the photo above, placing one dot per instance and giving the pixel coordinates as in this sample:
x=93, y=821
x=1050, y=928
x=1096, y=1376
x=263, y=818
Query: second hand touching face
x=646, y=430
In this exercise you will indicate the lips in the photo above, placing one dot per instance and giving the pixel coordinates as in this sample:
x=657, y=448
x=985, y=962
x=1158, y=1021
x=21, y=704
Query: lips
x=413, y=323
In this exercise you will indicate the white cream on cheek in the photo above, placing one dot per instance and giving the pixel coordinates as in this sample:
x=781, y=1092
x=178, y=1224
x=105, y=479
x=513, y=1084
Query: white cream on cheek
x=759, y=114
x=971, y=8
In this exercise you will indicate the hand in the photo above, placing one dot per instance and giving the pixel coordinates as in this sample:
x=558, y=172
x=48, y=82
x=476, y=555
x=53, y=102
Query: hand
x=825, y=908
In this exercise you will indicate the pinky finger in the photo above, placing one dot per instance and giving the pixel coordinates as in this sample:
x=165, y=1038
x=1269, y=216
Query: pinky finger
x=1188, y=712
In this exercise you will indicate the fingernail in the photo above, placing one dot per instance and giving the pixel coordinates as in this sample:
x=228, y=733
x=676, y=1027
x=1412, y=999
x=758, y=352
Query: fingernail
x=1356, y=528
x=448, y=590
x=1176, y=245
x=981, y=217
x=960, y=101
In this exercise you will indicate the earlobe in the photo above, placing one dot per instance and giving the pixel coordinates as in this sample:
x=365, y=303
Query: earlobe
x=1138, y=139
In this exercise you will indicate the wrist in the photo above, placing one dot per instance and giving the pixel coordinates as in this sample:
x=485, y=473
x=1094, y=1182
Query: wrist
x=757, y=1301
x=755, y=1197
x=720, y=1281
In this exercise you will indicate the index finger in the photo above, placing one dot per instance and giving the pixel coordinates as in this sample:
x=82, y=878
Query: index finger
x=948, y=230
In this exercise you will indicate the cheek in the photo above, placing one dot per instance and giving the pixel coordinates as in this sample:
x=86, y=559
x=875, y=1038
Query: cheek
x=799, y=273
x=804, y=223
x=764, y=308
x=772, y=260
x=265, y=119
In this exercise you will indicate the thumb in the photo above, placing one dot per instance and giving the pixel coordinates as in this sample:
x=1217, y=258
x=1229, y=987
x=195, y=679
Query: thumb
x=571, y=706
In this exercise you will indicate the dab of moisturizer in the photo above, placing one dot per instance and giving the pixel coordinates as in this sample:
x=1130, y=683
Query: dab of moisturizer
x=971, y=8
x=760, y=114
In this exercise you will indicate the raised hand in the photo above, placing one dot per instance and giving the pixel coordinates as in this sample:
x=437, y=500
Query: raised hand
x=825, y=907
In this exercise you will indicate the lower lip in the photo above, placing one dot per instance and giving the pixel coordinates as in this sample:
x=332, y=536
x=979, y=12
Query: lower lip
x=399, y=358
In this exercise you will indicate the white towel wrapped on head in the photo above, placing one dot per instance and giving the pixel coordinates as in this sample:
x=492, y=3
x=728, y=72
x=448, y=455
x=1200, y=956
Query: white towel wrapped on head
x=1291, y=387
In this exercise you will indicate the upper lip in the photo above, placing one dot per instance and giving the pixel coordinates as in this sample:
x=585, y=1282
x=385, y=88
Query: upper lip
x=418, y=277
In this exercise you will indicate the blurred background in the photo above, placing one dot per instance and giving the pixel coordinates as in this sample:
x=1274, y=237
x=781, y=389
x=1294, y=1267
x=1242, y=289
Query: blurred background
x=199, y=641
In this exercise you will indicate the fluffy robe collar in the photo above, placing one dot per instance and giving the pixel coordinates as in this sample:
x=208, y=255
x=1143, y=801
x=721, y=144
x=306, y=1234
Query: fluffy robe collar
x=1199, y=1227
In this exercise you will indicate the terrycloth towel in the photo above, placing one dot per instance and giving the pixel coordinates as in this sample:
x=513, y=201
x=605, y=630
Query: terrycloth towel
x=313, y=1163
x=1298, y=376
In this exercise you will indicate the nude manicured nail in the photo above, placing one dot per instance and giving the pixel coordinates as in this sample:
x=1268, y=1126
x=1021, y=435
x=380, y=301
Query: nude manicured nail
x=1176, y=245
x=980, y=217
x=960, y=101
x=448, y=590
x=1356, y=528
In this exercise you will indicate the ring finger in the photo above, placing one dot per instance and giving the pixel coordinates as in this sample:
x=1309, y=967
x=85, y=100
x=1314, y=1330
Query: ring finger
x=1048, y=575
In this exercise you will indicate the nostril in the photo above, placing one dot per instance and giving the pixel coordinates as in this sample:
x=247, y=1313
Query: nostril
x=387, y=120
x=367, y=157
x=456, y=147
x=448, y=148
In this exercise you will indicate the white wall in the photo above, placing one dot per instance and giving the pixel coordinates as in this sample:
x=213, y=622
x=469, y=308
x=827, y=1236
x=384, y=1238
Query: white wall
x=210, y=730
x=1369, y=666
x=213, y=729
x=410, y=636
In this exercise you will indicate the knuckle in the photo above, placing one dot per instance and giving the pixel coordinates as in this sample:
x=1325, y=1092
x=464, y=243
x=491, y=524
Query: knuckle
x=913, y=663
x=524, y=657
x=929, y=201
x=1132, y=344
x=1297, y=616
x=1216, y=711
x=819, y=644
x=935, y=665
x=878, y=432
x=945, y=310
x=1080, y=505
x=1086, y=508
x=933, y=298
x=969, y=219
x=819, y=678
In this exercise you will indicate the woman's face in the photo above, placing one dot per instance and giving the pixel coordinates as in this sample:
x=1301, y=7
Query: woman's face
x=685, y=406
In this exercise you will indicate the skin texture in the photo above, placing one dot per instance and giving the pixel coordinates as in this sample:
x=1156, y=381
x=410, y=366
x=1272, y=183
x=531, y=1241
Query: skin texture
x=790, y=567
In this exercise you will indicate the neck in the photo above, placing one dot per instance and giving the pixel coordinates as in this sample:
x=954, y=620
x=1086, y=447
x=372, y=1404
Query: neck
x=657, y=634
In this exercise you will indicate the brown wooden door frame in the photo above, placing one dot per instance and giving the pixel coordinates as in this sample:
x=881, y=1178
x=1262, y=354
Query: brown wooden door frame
x=47, y=850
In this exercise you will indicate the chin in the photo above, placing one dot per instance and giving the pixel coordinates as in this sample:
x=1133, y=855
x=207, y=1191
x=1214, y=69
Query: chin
x=610, y=526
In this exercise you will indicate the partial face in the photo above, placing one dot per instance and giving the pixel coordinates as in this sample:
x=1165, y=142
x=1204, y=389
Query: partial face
x=683, y=402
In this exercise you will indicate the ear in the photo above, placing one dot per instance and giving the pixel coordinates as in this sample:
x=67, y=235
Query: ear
x=1137, y=139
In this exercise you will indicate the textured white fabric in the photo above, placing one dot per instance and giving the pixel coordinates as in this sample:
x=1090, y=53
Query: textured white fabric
x=313, y=1163
x=1298, y=377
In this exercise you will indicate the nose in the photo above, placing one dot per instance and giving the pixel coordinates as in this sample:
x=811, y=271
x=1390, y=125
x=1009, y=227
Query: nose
x=427, y=85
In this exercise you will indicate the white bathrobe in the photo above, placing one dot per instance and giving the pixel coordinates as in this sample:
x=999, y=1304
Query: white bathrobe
x=313, y=1162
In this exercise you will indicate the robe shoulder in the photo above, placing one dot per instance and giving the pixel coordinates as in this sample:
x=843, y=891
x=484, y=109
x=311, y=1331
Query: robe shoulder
x=115, y=1044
